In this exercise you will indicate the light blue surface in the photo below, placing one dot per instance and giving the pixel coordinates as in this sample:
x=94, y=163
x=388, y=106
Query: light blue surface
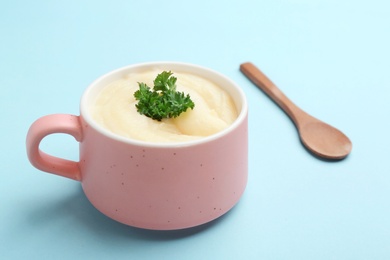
x=330, y=57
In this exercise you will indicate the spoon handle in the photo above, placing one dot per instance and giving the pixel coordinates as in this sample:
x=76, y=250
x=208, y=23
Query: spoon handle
x=266, y=85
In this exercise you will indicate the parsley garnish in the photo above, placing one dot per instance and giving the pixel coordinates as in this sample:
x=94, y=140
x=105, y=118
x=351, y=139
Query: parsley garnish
x=164, y=101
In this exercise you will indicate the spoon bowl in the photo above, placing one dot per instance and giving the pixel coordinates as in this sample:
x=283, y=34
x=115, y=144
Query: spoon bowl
x=319, y=138
x=334, y=146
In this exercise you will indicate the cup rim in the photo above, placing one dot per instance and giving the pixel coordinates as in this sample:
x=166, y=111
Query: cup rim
x=84, y=109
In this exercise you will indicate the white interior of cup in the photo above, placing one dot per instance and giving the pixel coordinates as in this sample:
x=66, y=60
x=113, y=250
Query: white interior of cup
x=228, y=85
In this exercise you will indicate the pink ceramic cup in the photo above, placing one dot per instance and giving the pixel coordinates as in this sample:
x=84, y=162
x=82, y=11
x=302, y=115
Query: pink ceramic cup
x=151, y=185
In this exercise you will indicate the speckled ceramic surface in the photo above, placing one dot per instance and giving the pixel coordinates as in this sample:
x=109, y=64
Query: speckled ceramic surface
x=150, y=185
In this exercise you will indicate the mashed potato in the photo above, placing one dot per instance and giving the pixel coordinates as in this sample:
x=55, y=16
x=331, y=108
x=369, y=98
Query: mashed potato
x=115, y=110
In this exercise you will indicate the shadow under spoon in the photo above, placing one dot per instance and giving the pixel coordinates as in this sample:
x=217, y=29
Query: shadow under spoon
x=321, y=139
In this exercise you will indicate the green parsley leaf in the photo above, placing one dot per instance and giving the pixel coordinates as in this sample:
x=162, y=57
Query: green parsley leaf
x=164, y=101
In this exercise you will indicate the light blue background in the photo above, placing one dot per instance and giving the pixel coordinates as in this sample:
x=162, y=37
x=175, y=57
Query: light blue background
x=330, y=57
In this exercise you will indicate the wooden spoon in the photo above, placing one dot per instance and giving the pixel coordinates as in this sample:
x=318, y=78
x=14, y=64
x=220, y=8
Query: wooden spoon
x=318, y=137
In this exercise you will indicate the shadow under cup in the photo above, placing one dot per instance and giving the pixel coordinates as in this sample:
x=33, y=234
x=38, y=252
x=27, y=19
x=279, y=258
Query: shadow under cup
x=156, y=185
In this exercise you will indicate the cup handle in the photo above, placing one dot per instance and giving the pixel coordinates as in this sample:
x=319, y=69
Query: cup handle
x=50, y=124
